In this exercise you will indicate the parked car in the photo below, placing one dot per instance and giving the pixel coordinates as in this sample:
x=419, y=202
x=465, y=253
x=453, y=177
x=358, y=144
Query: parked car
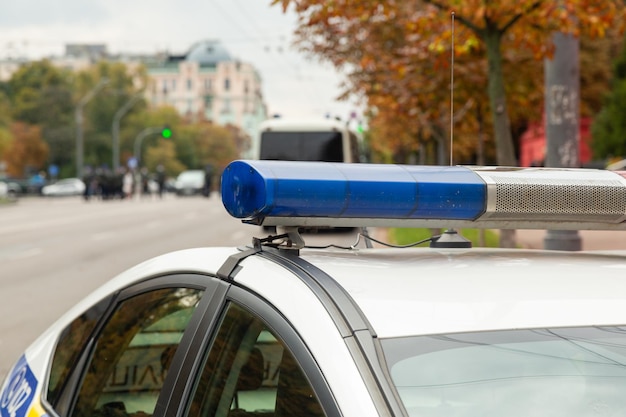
x=190, y=182
x=18, y=186
x=278, y=328
x=64, y=187
x=9, y=190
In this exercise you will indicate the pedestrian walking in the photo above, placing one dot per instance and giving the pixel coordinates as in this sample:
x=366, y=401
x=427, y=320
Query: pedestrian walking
x=160, y=179
x=128, y=183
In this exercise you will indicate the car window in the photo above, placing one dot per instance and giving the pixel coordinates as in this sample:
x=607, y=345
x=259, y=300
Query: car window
x=249, y=372
x=558, y=372
x=70, y=345
x=132, y=354
x=302, y=146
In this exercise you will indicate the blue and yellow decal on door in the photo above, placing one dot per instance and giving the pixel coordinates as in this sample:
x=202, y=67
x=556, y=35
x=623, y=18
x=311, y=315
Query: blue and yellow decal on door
x=19, y=391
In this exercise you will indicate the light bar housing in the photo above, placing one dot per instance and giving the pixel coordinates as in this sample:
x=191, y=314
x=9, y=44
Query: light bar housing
x=322, y=194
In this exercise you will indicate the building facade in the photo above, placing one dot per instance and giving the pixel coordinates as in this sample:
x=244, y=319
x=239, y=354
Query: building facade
x=206, y=83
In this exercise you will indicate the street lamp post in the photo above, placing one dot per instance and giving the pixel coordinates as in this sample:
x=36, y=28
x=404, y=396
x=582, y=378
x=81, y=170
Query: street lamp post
x=115, y=129
x=79, y=124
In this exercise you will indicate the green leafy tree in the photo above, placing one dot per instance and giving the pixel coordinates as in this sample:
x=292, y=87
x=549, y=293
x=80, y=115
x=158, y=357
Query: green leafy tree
x=154, y=118
x=41, y=94
x=185, y=147
x=5, y=134
x=609, y=126
x=243, y=142
x=215, y=145
x=597, y=60
x=163, y=153
x=123, y=84
x=204, y=143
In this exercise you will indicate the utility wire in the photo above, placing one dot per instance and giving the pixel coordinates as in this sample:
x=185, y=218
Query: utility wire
x=312, y=92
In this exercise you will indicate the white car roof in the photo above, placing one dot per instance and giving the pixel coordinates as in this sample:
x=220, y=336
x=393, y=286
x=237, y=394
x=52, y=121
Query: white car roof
x=196, y=260
x=431, y=291
x=443, y=290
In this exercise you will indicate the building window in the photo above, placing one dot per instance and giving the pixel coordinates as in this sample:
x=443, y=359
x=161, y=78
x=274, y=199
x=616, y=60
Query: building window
x=227, y=84
x=207, y=84
x=189, y=84
x=174, y=84
x=226, y=107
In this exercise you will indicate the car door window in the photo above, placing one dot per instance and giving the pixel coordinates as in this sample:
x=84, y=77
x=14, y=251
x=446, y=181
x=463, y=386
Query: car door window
x=69, y=347
x=249, y=372
x=132, y=354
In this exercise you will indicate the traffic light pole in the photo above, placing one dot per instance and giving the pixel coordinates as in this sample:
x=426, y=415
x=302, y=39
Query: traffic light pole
x=139, y=139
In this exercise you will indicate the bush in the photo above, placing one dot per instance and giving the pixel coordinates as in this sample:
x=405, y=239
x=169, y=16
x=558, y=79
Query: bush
x=404, y=236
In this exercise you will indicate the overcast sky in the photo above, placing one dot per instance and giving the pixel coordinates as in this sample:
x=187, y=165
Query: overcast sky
x=251, y=30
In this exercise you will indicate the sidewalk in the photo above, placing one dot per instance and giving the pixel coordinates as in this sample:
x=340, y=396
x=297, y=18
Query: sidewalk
x=591, y=239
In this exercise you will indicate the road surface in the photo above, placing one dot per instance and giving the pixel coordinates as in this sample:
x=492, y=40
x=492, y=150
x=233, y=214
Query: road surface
x=53, y=252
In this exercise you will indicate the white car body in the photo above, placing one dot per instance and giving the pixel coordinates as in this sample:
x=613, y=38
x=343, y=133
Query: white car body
x=190, y=182
x=64, y=187
x=349, y=314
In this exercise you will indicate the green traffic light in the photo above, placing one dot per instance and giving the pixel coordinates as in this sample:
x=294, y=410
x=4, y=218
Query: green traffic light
x=166, y=132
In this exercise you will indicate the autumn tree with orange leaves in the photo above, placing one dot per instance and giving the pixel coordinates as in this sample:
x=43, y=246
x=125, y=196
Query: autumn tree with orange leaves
x=26, y=150
x=398, y=55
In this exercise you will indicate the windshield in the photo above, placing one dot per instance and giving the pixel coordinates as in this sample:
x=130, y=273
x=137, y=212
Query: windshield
x=542, y=372
x=302, y=146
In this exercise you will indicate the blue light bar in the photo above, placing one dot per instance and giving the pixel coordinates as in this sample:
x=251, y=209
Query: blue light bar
x=283, y=193
x=255, y=190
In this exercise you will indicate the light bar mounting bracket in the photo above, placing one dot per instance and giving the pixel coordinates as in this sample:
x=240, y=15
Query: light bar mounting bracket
x=286, y=238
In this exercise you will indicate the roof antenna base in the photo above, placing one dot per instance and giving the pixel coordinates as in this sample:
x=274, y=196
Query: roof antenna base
x=287, y=238
x=450, y=239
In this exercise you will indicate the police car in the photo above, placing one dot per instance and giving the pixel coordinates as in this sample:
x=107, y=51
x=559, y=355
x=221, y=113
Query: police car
x=275, y=328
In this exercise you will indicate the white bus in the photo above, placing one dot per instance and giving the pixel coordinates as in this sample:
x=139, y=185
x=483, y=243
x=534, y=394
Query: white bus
x=326, y=140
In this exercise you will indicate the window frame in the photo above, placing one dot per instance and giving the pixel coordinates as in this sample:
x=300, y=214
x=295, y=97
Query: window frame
x=196, y=340
x=280, y=326
x=210, y=286
x=103, y=308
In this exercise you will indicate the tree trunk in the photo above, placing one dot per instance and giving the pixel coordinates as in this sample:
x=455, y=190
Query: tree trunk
x=505, y=152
